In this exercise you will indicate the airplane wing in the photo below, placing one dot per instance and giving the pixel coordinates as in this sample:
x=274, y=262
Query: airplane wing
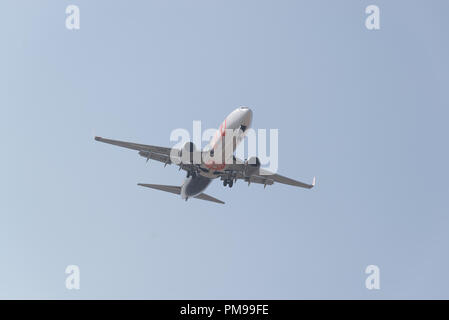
x=263, y=176
x=161, y=154
x=136, y=146
x=271, y=179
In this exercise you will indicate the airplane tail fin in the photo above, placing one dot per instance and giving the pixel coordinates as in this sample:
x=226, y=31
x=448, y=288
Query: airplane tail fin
x=177, y=190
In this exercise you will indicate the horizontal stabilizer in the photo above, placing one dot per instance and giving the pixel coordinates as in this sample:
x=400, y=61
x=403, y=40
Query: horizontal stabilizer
x=172, y=189
x=177, y=190
x=207, y=197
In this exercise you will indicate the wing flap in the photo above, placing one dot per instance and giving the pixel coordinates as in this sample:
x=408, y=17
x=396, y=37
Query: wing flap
x=155, y=156
x=264, y=177
x=261, y=180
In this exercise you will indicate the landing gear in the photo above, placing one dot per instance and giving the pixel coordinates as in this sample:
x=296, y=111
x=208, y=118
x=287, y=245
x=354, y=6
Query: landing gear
x=192, y=174
x=228, y=182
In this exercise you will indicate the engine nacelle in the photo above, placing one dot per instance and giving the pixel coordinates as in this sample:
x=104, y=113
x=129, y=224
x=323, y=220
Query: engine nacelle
x=252, y=166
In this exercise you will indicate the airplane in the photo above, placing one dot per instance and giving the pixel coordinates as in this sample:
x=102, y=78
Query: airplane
x=201, y=173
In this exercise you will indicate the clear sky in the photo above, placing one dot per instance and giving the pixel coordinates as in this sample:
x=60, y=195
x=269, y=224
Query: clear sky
x=364, y=111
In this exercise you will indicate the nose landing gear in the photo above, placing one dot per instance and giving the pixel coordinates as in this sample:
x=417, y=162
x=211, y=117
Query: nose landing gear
x=228, y=182
x=191, y=174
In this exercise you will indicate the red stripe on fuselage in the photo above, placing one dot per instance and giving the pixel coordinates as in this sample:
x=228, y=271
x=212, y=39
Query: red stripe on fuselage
x=220, y=134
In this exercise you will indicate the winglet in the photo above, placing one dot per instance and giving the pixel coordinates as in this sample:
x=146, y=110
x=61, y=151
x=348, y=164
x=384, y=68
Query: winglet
x=313, y=182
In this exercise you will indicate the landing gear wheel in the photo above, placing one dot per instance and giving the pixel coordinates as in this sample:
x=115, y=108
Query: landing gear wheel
x=191, y=174
x=231, y=183
x=225, y=182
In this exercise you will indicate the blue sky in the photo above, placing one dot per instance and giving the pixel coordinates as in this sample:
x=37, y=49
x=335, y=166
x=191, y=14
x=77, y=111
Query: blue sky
x=363, y=111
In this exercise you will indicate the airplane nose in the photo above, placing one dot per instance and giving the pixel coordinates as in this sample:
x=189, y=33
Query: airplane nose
x=247, y=115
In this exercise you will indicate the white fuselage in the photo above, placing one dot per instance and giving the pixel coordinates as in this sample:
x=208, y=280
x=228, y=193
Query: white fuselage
x=236, y=123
